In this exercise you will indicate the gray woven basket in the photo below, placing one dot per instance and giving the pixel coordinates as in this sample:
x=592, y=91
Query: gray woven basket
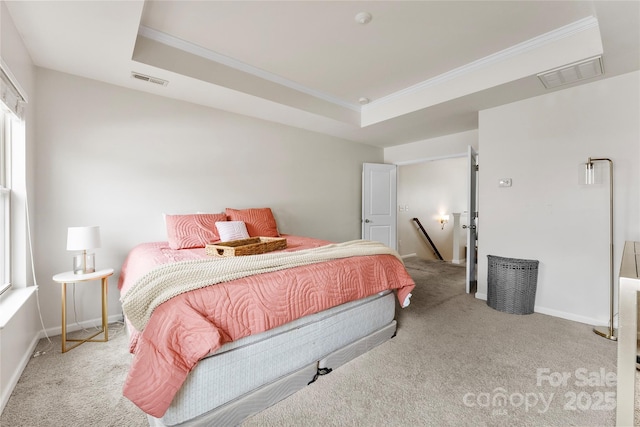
x=512, y=283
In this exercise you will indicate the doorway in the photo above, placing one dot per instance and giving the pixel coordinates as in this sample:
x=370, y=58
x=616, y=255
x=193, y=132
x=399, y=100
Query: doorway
x=427, y=190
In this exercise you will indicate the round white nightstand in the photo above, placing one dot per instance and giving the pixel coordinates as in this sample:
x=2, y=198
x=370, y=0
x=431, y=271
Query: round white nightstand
x=71, y=277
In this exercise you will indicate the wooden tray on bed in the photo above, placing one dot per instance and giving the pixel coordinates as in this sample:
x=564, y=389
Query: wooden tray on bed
x=251, y=246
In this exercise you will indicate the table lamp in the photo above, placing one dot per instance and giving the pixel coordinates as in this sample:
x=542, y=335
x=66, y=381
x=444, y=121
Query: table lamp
x=83, y=239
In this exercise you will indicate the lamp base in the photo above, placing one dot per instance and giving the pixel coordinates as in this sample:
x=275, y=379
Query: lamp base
x=606, y=333
x=84, y=263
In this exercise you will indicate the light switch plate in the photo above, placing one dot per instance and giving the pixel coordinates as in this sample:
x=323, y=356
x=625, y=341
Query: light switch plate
x=504, y=182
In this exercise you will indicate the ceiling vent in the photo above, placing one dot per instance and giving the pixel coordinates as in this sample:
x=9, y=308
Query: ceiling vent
x=572, y=73
x=149, y=79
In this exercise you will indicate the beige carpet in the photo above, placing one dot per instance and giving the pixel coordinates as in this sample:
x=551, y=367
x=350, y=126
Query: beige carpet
x=80, y=388
x=450, y=363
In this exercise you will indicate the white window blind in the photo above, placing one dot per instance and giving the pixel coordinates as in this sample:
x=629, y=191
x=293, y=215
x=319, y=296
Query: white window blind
x=11, y=94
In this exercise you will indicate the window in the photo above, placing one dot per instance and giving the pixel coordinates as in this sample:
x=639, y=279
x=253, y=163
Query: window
x=5, y=197
x=11, y=138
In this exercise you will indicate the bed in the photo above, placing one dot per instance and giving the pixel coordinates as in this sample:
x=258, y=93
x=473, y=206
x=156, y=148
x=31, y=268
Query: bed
x=218, y=351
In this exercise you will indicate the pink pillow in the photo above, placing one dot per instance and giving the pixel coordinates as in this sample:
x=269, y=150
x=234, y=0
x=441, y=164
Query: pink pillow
x=192, y=231
x=259, y=221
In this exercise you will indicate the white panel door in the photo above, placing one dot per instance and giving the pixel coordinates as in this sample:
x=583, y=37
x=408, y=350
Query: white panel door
x=379, y=203
x=472, y=232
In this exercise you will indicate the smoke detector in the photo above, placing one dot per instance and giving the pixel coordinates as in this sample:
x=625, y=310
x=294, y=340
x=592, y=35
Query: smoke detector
x=363, y=18
x=572, y=73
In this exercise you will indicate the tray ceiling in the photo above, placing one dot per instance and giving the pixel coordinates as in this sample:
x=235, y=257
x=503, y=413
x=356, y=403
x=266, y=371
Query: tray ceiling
x=425, y=67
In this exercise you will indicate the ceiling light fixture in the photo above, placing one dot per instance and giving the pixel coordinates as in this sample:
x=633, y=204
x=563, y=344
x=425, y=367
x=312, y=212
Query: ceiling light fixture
x=363, y=101
x=363, y=18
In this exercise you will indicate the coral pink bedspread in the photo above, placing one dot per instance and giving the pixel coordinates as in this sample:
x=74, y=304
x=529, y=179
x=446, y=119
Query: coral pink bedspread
x=192, y=325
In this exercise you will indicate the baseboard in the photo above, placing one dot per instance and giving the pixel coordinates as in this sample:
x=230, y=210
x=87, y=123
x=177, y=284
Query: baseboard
x=17, y=373
x=561, y=314
x=570, y=316
x=459, y=261
x=409, y=256
x=16, y=353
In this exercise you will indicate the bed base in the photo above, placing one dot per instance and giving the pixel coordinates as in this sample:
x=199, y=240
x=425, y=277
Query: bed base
x=234, y=412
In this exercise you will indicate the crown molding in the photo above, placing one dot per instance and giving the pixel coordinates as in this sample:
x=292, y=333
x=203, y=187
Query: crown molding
x=200, y=51
x=508, y=53
x=505, y=54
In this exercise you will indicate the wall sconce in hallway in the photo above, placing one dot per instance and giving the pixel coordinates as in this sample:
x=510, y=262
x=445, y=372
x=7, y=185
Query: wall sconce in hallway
x=443, y=219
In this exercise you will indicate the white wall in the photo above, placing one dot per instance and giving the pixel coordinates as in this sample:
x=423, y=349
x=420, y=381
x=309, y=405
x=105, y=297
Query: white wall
x=119, y=158
x=546, y=215
x=429, y=189
x=19, y=327
x=442, y=147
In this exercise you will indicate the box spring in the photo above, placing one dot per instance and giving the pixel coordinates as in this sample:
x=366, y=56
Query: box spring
x=246, y=376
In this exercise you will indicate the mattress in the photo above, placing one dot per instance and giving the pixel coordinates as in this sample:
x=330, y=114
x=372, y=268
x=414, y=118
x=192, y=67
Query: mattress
x=239, y=368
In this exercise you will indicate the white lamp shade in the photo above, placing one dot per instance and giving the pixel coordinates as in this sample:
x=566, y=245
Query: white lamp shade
x=83, y=238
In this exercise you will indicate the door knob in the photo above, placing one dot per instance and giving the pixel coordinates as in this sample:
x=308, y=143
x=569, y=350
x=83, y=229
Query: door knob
x=366, y=220
x=472, y=227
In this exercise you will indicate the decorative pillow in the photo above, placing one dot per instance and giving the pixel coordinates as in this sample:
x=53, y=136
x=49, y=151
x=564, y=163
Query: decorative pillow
x=232, y=230
x=192, y=231
x=259, y=221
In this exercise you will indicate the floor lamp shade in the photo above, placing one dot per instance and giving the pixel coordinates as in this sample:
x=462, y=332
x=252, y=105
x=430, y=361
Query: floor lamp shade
x=589, y=173
x=83, y=239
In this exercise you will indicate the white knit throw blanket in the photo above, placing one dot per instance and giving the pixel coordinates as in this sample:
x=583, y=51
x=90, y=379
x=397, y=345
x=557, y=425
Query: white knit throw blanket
x=169, y=280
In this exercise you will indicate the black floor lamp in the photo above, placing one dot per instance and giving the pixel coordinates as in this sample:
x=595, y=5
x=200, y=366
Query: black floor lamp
x=610, y=332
